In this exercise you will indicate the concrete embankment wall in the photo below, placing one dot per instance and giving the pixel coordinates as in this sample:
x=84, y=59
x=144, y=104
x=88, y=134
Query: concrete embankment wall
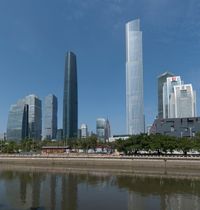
x=166, y=168
x=99, y=162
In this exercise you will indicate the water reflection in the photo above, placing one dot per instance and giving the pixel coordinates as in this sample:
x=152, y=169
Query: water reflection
x=86, y=190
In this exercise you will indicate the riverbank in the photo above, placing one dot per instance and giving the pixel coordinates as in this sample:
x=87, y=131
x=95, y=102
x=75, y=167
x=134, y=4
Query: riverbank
x=134, y=164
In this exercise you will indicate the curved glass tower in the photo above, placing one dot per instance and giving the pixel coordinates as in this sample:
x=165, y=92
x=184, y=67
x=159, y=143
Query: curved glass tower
x=134, y=79
x=70, y=99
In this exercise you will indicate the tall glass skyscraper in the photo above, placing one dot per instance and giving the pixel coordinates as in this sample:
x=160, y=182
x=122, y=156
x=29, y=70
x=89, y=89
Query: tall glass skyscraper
x=35, y=116
x=50, y=117
x=134, y=79
x=25, y=119
x=17, y=127
x=161, y=80
x=70, y=98
x=103, y=129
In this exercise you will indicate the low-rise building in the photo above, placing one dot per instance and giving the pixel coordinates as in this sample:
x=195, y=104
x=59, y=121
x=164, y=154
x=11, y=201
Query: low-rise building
x=179, y=127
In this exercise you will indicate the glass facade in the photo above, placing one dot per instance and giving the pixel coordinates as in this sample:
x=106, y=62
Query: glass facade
x=35, y=116
x=17, y=127
x=161, y=80
x=50, y=117
x=70, y=98
x=102, y=129
x=84, y=131
x=134, y=79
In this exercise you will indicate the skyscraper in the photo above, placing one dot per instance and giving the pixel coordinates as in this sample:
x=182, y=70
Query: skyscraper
x=100, y=129
x=35, y=116
x=161, y=80
x=168, y=100
x=84, y=131
x=70, y=98
x=103, y=129
x=25, y=119
x=50, y=117
x=134, y=79
x=179, y=99
x=185, y=101
x=17, y=127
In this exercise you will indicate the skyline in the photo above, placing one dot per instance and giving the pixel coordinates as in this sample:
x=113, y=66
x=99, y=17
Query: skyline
x=33, y=48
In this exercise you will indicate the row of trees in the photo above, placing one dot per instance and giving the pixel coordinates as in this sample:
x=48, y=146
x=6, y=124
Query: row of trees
x=158, y=144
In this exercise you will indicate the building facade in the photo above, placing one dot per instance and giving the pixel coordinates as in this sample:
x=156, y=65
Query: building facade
x=161, y=80
x=35, y=116
x=59, y=134
x=70, y=98
x=50, y=117
x=134, y=79
x=168, y=100
x=17, y=126
x=102, y=129
x=179, y=127
x=84, y=131
x=179, y=99
x=185, y=101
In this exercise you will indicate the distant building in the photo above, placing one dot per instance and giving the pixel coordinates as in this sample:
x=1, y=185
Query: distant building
x=59, y=134
x=117, y=137
x=168, y=90
x=161, y=80
x=50, y=117
x=134, y=79
x=70, y=99
x=179, y=127
x=54, y=149
x=84, y=131
x=102, y=129
x=107, y=130
x=18, y=127
x=179, y=99
x=25, y=119
x=35, y=116
x=185, y=101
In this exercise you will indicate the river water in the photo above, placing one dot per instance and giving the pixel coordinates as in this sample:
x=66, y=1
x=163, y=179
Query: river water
x=74, y=190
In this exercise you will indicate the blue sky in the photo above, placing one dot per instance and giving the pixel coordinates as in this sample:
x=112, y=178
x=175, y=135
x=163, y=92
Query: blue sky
x=35, y=34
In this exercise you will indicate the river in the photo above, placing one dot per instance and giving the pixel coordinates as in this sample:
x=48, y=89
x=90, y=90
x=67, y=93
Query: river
x=95, y=190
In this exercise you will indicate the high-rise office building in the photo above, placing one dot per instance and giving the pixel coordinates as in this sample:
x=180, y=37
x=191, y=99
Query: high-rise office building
x=35, y=116
x=161, y=80
x=100, y=129
x=50, y=117
x=84, y=131
x=103, y=129
x=134, y=79
x=25, y=119
x=59, y=134
x=17, y=127
x=184, y=98
x=70, y=99
x=168, y=89
x=179, y=99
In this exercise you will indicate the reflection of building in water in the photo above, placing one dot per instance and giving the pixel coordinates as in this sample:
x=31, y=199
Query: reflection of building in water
x=36, y=185
x=69, y=192
x=164, y=202
x=53, y=192
x=182, y=202
x=23, y=187
x=138, y=201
